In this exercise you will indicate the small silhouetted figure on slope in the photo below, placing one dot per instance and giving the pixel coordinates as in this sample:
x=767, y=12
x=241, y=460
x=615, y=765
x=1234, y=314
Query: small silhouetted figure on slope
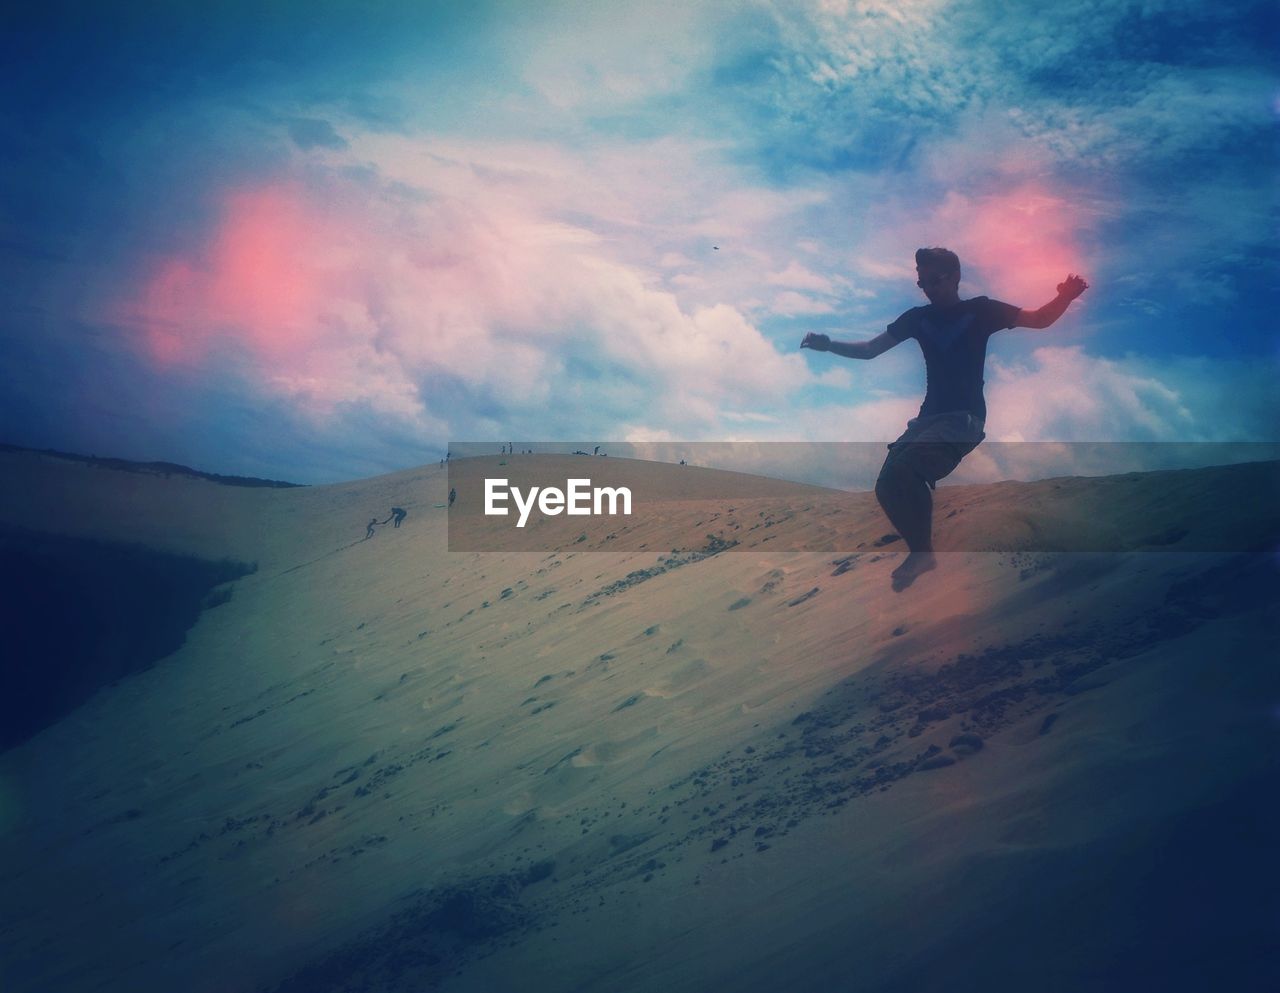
x=953, y=336
x=373, y=523
x=397, y=515
x=453, y=495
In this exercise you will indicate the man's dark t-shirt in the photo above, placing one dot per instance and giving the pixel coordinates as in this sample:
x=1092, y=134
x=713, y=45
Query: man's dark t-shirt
x=954, y=342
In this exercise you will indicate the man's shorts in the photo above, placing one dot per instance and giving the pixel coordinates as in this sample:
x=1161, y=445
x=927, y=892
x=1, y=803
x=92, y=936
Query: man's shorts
x=932, y=447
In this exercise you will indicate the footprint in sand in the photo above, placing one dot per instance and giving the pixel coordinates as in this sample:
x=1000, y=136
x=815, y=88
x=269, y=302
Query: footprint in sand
x=682, y=679
x=609, y=752
x=636, y=698
x=519, y=805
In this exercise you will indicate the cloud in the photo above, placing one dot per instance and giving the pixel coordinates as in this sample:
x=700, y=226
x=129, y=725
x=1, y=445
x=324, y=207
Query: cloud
x=797, y=277
x=898, y=55
x=1023, y=240
x=793, y=304
x=1174, y=113
x=596, y=56
x=1016, y=241
x=450, y=310
x=311, y=132
x=1065, y=394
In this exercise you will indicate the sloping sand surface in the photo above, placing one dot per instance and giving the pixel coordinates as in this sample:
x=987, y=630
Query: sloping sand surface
x=715, y=763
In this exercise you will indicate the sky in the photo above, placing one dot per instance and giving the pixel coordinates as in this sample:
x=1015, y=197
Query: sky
x=323, y=241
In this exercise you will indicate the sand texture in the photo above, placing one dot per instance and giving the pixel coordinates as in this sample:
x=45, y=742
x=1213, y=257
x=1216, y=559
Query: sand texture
x=715, y=763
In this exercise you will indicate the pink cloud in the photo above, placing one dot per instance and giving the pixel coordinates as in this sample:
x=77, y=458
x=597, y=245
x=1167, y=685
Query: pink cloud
x=267, y=276
x=350, y=295
x=261, y=279
x=1017, y=238
x=1019, y=243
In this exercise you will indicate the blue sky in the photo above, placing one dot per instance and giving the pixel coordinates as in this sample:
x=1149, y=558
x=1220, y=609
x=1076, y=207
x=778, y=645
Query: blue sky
x=320, y=241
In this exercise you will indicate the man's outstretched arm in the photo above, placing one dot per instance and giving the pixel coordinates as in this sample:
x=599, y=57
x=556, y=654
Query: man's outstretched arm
x=850, y=349
x=1068, y=290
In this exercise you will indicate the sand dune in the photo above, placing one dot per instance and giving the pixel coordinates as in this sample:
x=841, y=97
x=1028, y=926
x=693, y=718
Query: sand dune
x=707, y=761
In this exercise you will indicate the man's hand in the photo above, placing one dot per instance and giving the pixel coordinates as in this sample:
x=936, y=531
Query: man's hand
x=1072, y=287
x=818, y=342
x=1068, y=290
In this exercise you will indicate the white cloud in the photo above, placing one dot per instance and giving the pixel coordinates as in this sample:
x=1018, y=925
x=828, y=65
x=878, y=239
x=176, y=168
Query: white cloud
x=1168, y=112
x=838, y=377
x=793, y=304
x=1065, y=394
x=601, y=56
x=473, y=302
x=797, y=277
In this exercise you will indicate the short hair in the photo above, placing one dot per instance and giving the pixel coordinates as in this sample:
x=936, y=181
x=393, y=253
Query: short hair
x=938, y=258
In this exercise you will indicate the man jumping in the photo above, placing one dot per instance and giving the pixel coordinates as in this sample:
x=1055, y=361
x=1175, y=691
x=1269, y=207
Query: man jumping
x=953, y=336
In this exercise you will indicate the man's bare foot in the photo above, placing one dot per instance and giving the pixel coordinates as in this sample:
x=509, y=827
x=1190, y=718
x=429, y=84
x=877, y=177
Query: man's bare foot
x=913, y=566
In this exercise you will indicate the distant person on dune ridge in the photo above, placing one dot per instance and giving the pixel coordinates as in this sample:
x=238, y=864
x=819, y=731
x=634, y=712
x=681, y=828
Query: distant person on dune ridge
x=953, y=336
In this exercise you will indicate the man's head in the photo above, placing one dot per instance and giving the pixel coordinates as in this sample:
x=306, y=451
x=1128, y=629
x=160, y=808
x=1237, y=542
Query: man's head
x=938, y=274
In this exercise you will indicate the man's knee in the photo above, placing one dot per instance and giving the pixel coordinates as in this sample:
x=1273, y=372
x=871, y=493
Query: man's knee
x=924, y=462
x=896, y=474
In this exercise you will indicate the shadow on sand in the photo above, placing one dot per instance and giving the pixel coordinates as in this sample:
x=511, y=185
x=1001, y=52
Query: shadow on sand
x=79, y=615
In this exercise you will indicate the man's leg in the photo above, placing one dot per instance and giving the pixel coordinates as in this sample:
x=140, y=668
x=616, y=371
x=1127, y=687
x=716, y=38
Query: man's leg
x=908, y=503
x=928, y=450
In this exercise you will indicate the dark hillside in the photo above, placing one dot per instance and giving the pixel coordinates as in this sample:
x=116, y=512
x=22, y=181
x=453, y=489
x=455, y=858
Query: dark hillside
x=78, y=615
